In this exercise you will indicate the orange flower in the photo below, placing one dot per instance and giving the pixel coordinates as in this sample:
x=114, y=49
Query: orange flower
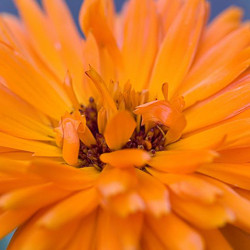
x=147, y=148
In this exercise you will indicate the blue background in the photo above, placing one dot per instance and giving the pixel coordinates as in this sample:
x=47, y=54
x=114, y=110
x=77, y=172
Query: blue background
x=217, y=7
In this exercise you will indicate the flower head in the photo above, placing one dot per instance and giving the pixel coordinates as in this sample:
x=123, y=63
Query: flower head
x=134, y=137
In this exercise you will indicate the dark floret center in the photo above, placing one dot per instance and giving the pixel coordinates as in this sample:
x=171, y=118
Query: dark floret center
x=151, y=140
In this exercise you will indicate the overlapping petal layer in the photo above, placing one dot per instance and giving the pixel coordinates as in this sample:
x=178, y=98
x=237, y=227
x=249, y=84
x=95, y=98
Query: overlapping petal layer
x=166, y=134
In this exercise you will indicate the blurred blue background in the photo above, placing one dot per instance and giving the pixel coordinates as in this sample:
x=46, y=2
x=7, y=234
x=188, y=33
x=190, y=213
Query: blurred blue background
x=217, y=7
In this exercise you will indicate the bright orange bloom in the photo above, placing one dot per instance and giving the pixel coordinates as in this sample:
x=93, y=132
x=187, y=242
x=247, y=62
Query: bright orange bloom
x=147, y=148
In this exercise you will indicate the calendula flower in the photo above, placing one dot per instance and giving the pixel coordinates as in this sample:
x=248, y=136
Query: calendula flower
x=134, y=137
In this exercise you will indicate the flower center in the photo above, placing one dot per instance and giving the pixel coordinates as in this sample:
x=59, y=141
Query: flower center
x=151, y=140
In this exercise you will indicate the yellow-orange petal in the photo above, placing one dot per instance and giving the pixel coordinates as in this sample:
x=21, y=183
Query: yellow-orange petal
x=58, y=13
x=237, y=175
x=87, y=228
x=174, y=233
x=106, y=98
x=13, y=68
x=139, y=58
x=36, y=196
x=126, y=203
x=104, y=236
x=38, y=148
x=226, y=22
x=237, y=203
x=29, y=235
x=181, y=161
x=128, y=230
x=172, y=64
x=75, y=206
x=101, y=27
x=65, y=176
x=119, y=129
x=163, y=112
x=205, y=216
x=221, y=136
x=11, y=219
x=233, y=99
x=215, y=240
x=215, y=70
x=238, y=239
x=126, y=158
x=234, y=155
x=113, y=181
x=189, y=187
x=154, y=194
x=71, y=143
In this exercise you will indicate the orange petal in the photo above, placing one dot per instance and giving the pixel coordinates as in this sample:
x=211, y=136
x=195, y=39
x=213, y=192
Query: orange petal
x=101, y=27
x=70, y=208
x=113, y=181
x=215, y=70
x=237, y=238
x=38, y=148
x=238, y=204
x=34, y=196
x=170, y=7
x=88, y=229
x=221, y=136
x=162, y=112
x=119, y=129
x=189, y=187
x=41, y=34
x=107, y=100
x=149, y=240
x=23, y=121
x=12, y=219
x=174, y=233
x=29, y=236
x=71, y=143
x=172, y=64
x=140, y=42
x=104, y=238
x=34, y=84
x=222, y=25
x=235, y=155
x=205, y=216
x=65, y=176
x=233, y=100
x=185, y=161
x=237, y=175
x=128, y=230
x=70, y=49
x=125, y=204
x=126, y=158
x=155, y=194
x=215, y=240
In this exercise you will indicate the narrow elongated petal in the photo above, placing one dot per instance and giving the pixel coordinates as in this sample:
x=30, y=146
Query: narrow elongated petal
x=233, y=100
x=177, y=161
x=77, y=205
x=39, y=148
x=189, y=187
x=175, y=233
x=235, y=174
x=172, y=65
x=65, y=176
x=219, y=136
x=155, y=194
